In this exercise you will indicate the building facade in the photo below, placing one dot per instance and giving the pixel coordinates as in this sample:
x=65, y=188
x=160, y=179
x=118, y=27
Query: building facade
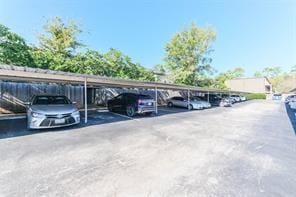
x=251, y=85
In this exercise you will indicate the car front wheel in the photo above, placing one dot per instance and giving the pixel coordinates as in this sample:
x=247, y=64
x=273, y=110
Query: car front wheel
x=190, y=107
x=148, y=113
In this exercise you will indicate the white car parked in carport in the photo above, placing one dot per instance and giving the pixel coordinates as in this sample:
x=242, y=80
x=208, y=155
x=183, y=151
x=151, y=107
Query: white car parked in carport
x=50, y=111
x=292, y=102
x=179, y=101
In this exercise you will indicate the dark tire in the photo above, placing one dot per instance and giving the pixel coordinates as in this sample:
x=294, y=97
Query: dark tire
x=130, y=111
x=170, y=104
x=148, y=113
x=110, y=108
x=190, y=107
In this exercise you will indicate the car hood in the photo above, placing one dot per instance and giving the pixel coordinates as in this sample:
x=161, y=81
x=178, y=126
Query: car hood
x=53, y=109
x=196, y=102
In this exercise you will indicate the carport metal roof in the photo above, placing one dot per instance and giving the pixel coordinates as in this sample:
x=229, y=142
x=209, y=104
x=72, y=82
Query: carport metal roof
x=18, y=73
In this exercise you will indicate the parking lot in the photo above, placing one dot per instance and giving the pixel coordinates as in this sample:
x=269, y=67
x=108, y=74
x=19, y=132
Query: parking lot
x=246, y=150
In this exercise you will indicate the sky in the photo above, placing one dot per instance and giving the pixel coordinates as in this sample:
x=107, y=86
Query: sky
x=252, y=34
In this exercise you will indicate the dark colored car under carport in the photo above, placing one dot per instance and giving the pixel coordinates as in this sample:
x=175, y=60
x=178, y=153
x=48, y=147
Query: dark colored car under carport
x=132, y=104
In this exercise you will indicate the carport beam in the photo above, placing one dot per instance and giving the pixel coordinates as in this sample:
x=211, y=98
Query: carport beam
x=188, y=98
x=85, y=100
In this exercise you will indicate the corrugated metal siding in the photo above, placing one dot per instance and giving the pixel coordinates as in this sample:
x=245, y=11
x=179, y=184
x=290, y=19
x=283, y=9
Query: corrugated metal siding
x=14, y=94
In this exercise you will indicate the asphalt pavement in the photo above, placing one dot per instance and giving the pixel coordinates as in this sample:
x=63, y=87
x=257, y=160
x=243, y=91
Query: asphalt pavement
x=246, y=150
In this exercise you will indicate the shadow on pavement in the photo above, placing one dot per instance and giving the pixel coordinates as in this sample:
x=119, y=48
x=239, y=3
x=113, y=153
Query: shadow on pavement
x=18, y=127
x=292, y=116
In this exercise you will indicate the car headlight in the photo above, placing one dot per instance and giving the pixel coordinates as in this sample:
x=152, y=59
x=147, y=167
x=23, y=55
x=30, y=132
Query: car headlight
x=37, y=115
x=76, y=113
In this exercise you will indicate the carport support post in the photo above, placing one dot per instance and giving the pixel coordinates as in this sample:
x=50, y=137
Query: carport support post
x=188, y=97
x=208, y=96
x=156, y=110
x=85, y=100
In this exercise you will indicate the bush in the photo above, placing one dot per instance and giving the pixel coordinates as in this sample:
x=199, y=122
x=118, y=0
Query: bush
x=252, y=96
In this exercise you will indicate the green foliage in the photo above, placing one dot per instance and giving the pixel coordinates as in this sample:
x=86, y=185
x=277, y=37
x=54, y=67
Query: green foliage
x=112, y=64
x=255, y=96
x=271, y=72
x=219, y=81
x=124, y=67
x=257, y=74
x=160, y=68
x=275, y=75
x=293, y=70
x=60, y=37
x=13, y=48
x=187, y=54
x=57, y=52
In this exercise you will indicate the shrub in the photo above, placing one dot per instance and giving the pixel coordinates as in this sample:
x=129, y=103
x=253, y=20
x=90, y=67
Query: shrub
x=252, y=96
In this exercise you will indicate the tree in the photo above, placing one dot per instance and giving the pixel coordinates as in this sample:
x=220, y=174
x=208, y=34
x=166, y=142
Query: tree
x=13, y=48
x=123, y=67
x=57, y=47
x=187, y=54
x=60, y=37
x=275, y=75
x=271, y=72
x=257, y=74
x=293, y=70
x=220, y=80
x=160, y=68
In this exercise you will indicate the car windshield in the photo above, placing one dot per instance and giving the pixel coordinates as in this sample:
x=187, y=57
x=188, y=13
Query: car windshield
x=142, y=96
x=50, y=100
x=196, y=99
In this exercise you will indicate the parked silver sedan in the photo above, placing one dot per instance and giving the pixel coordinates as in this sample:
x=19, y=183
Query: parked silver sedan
x=49, y=111
x=205, y=104
x=179, y=101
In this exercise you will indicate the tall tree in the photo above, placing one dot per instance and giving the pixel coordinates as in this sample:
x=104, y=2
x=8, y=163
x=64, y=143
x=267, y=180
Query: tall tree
x=123, y=66
x=187, y=54
x=219, y=81
x=275, y=75
x=60, y=37
x=272, y=71
x=160, y=68
x=13, y=48
x=293, y=70
x=57, y=46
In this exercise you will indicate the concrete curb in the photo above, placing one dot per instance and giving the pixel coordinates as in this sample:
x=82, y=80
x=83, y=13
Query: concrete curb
x=12, y=116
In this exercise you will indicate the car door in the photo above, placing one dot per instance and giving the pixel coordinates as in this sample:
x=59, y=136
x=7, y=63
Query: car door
x=129, y=100
x=181, y=102
x=117, y=102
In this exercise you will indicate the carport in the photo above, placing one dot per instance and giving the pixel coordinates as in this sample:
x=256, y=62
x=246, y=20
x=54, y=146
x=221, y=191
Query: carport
x=27, y=74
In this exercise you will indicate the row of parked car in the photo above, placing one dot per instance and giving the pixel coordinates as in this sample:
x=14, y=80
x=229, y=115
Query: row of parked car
x=49, y=111
x=291, y=101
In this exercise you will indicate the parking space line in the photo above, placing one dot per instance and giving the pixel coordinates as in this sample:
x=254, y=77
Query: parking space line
x=124, y=116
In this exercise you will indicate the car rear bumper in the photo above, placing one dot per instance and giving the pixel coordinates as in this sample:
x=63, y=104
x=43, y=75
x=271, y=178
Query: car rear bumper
x=142, y=110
